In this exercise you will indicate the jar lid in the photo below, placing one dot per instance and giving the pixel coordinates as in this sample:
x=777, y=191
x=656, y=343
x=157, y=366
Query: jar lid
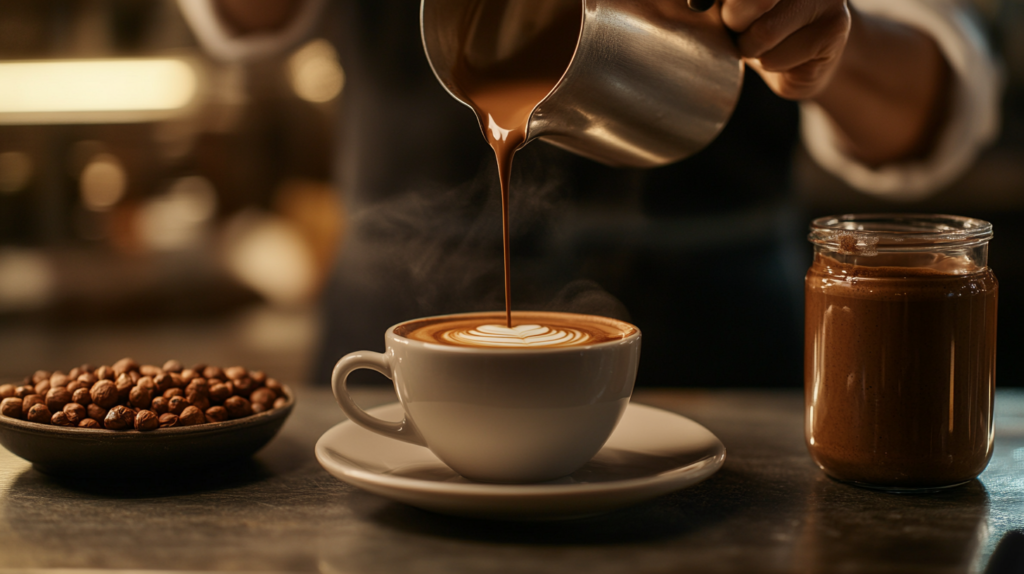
x=870, y=233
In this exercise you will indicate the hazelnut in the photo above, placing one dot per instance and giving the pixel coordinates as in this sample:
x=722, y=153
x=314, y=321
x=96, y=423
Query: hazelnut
x=88, y=424
x=140, y=397
x=219, y=393
x=124, y=365
x=238, y=407
x=60, y=418
x=172, y=366
x=104, y=394
x=159, y=405
x=6, y=391
x=264, y=396
x=199, y=386
x=243, y=387
x=124, y=386
x=105, y=372
x=39, y=414
x=275, y=386
x=30, y=401
x=235, y=373
x=188, y=374
x=212, y=372
x=258, y=376
x=73, y=373
x=119, y=418
x=191, y=416
x=59, y=379
x=24, y=391
x=150, y=370
x=40, y=376
x=171, y=393
x=81, y=396
x=56, y=398
x=146, y=421
x=74, y=386
x=162, y=383
x=198, y=400
x=11, y=407
x=146, y=382
x=86, y=368
x=87, y=379
x=175, y=405
x=96, y=412
x=280, y=402
x=42, y=388
x=168, y=420
x=216, y=414
x=75, y=413
x=258, y=408
x=135, y=376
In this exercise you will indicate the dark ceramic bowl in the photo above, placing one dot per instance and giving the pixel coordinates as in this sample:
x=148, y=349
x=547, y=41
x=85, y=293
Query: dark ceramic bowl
x=81, y=452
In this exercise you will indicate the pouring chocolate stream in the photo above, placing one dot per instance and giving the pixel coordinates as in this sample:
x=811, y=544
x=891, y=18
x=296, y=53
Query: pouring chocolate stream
x=506, y=77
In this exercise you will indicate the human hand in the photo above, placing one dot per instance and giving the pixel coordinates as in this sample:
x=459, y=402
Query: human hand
x=795, y=45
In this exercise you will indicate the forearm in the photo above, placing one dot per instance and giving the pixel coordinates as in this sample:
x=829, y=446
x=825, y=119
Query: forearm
x=890, y=92
x=254, y=16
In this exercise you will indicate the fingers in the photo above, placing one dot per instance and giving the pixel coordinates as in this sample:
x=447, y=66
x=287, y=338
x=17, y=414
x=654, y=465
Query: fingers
x=822, y=39
x=794, y=45
x=738, y=15
x=764, y=24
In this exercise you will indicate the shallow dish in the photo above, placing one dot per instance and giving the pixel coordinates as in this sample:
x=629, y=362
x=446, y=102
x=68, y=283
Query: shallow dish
x=650, y=453
x=99, y=452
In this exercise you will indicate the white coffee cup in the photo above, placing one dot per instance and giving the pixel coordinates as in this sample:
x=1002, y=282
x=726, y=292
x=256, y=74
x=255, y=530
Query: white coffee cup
x=511, y=415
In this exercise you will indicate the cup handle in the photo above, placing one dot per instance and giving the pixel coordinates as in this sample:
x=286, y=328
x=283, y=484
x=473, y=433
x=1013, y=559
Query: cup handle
x=404, y=430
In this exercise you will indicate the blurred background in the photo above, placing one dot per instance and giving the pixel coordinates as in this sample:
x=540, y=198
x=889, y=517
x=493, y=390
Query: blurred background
x=192, y=215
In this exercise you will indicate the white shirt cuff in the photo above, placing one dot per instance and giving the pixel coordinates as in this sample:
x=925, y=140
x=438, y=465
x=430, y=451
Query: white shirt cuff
x=973, y=121
x=220, y=43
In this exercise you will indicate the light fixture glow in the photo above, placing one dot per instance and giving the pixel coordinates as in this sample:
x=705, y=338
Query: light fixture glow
x=314, y=72
x=93, y=91
x=103, y=183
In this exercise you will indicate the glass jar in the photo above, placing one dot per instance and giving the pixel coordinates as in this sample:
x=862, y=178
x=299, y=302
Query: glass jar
x=900, y=349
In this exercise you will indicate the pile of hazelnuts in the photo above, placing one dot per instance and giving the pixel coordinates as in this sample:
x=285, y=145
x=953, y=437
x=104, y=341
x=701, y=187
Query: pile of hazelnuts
x=127, y=396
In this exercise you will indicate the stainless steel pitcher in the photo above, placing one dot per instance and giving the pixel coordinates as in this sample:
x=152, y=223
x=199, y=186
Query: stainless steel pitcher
x=651, y=81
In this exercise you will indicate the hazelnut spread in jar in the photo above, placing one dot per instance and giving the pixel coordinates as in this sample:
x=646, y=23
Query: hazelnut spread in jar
x=900, y=345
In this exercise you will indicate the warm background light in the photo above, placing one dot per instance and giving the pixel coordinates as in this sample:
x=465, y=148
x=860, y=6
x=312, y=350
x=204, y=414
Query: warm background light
x=103, y=182
x=314, y=72
x=87, y=91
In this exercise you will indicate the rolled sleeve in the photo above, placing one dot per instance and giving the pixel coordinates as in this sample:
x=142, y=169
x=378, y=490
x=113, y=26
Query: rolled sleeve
x=222, y=44
x=973, y=121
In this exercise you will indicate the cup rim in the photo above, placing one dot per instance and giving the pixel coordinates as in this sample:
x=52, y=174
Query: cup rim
x=391, y=335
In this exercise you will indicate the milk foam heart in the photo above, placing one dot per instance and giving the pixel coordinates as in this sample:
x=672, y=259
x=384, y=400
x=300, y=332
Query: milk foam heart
x=518, y=336
x=532, y=330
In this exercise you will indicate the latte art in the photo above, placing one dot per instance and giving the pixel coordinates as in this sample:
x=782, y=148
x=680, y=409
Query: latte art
x=530, y=330
x=518, y=336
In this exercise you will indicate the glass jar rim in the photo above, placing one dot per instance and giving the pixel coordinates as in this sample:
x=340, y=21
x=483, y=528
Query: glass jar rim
x=865, y=233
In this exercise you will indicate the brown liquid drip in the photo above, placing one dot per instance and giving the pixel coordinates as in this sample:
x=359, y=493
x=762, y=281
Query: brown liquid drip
x=900, y=371
x=505, y=88
x=598, y=329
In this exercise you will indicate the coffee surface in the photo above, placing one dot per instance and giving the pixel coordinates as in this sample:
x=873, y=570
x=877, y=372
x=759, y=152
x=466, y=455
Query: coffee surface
x=900, y=370
x=513, y=54
x=532, y=330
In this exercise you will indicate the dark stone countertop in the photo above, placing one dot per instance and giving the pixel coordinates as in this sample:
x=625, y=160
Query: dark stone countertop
x=769, y=509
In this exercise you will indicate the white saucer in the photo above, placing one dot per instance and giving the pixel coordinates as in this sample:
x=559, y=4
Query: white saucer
x=652, y=452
